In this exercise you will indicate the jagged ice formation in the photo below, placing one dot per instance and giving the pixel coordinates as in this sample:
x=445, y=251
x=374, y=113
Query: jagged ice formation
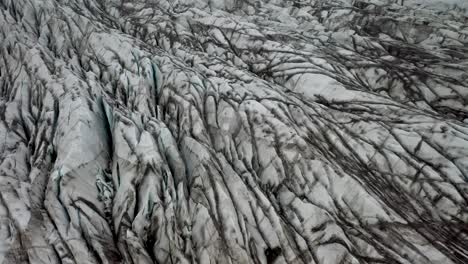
x=229, y=131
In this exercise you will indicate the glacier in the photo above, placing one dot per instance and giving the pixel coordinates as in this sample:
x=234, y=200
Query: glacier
x=234, y=131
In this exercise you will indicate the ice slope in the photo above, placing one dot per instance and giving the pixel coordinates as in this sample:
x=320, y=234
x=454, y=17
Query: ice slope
x=156, y=131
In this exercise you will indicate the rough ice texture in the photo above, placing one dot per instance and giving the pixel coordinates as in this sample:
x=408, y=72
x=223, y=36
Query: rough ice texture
x=203, y=131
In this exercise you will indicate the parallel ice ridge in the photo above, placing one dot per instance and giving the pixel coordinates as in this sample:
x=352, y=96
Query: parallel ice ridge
x=203, y=131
